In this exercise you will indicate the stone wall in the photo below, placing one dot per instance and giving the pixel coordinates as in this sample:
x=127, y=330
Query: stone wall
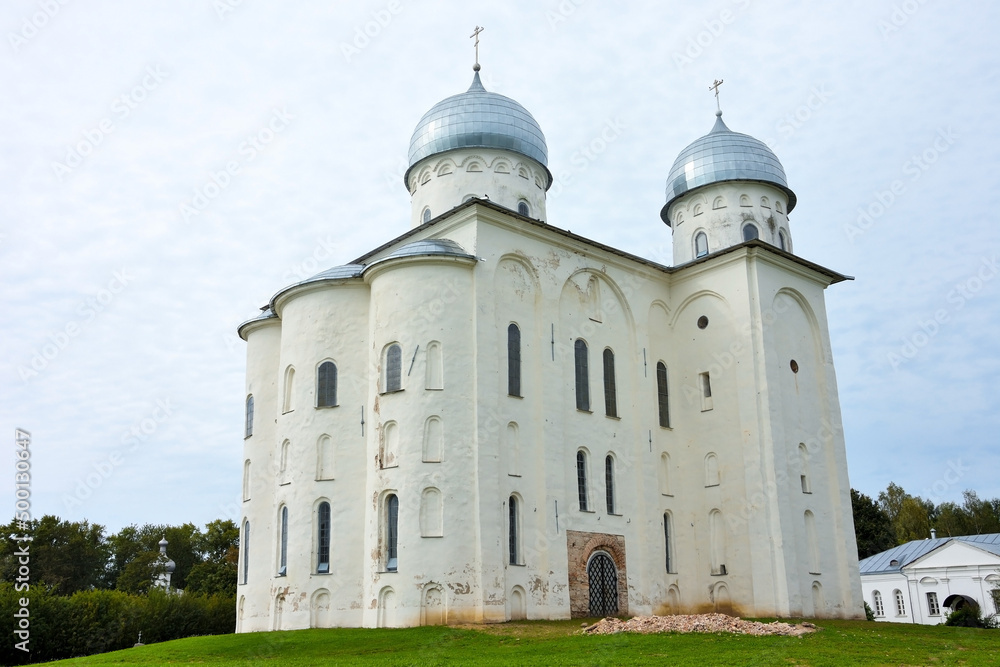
x=579, y=547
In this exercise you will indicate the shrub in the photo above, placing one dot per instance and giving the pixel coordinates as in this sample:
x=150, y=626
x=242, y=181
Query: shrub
x=869, y=614
x=970, y=616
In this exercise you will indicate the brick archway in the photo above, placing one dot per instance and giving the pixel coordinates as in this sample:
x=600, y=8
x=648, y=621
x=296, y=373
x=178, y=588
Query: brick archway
x=579, y=549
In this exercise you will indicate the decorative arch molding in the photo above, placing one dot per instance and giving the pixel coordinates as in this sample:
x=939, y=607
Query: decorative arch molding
x=662, y=305
x=928, y=581
x=319, y=609
x=524, y=263
x=807, y=311
x=694, y=297
x=444, y=167
x=474, y=159
x=606, y=281
x=518, y=603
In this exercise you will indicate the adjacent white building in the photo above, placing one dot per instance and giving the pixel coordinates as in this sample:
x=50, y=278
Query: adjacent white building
x=923, y=580
x=491, y=418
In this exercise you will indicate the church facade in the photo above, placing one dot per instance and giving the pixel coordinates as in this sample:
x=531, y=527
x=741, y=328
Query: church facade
x=491, y=418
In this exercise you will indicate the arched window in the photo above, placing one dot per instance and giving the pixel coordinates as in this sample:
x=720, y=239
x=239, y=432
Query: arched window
x=323, y=538
x=246, y=550
x=522, y=208
x=283, y=457
x=283, y=542
x=324, y=457
x=804, y=468
x=712, y=477
x=326, y=385
x=286, y=404
x=512, y=532
x=249, y=413
x=581, y=479
x=610, y=392
x=434, y=377
x=662, y=402
x=900, y=604
x=719, y=202
x=667, y=545
x=431, y=514
x=777, y=206
x=665, y=474
x=391, y=532
x=426, y=217
x=782, y=241
x=246, y=480
x=700, y=244
x=750, y=232
x=717, y=532
x=812, y=541
x=609, y=483
x=582, y=373
x=393, y=368
x=877, y=603
x=513, y=360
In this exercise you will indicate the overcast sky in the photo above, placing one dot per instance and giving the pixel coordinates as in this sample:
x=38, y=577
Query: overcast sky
x=122, y=288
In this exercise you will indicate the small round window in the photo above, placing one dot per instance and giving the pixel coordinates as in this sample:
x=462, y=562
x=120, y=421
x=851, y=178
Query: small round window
x=794, y=365
x=702, y=322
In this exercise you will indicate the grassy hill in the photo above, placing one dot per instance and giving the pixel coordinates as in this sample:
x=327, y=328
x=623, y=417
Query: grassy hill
x=558, y=643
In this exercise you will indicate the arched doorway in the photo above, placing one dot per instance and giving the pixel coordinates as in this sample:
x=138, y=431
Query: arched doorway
x=602, y=576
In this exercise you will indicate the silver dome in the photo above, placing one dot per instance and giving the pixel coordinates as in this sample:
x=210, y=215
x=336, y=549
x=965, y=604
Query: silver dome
x=477, y=119
x=724, y=155
x=427, y=248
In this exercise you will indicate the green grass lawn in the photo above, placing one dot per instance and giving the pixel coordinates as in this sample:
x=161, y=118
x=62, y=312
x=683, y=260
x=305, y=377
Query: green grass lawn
x=558, y=643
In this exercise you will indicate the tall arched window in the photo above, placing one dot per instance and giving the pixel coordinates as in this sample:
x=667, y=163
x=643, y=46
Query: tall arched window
x=812, y=541
x=700, y=244
x=283, y=544
x=582, y=375
x=717, y=533
x=323, y=538
x=513, y=360
x=512, y=536
x=246, y=480
x=804, y=469
x=391, y=533
x=286, y=403
x=668, y=547
x=877, y=603
x=750, y=232
x=245, y=546
x=326, y=385
x=249, y=414
x=610, y=392
x=662, y=402
x=609, y=483
x=581, y=479
x=782, y=241
x=434, y=377
x=900, y=604
x=393, y=368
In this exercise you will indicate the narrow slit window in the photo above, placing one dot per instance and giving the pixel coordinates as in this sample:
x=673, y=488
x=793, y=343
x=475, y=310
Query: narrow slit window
x=609, y=483
x=249, y=415
x=323, y=538
x=706, y=391
x=392, y=533
x=582, y=373
x=581, y=480
x=666, y=541
x=512, y=531
x=246, y=550
x=513, y=360
x=283, y=553
x=662, y=396
x=610, y=392
x=326, y=385
x=393, y=368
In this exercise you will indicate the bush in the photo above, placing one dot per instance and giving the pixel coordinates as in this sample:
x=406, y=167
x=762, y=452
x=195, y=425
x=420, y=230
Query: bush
x=97, y=621
x=869, y=614
x=970, y=616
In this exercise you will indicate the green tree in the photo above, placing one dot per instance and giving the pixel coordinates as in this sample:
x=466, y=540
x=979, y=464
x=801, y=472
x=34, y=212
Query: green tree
x=69, y=556
x=984, y=516
x=952, y=521
x=914, y=520
x=219, y=549
x=872, y=527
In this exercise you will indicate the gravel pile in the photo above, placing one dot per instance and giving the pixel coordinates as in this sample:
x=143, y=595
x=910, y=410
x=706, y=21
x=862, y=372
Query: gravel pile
x=696, y=623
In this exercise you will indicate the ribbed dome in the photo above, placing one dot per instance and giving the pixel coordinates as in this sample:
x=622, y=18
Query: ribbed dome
x=477, y=119
x=724, y=155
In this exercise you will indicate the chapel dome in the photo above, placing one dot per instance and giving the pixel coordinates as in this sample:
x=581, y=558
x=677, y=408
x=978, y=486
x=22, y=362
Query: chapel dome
x=724, y=155
x=477, y=118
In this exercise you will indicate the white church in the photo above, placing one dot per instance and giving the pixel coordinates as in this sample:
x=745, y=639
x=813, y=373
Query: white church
x=491, y=418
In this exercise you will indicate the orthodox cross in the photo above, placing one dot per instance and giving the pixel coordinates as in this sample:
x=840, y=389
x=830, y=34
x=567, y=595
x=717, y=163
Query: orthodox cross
x=475, y=33
x=715, y=86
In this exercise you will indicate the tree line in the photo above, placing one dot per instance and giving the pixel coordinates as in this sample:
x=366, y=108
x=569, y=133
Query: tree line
x=896, y=517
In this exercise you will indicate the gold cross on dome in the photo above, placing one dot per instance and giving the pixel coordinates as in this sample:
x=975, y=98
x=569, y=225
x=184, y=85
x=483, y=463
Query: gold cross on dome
x=715, y=86
x=475, y=33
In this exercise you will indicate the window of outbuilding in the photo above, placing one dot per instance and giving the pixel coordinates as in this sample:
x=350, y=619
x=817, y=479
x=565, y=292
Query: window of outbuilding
x=933, y=607
x=900, y=603
x=877, y=603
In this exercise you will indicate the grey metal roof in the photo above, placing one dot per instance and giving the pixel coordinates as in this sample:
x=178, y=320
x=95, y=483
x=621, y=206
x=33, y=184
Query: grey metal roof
x=724, y=155
x=905, y=554
x=427, y=248
x=477, y=119
x=266, y=314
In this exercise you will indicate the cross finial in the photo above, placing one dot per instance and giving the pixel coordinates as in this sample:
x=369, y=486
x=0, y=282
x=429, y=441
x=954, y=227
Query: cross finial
x=475, y=33
x=715, y=86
